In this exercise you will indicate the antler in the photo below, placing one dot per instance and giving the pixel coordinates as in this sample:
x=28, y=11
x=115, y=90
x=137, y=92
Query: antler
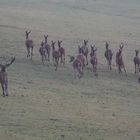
x=85, y=42
x=59, y=43
x=5, y=62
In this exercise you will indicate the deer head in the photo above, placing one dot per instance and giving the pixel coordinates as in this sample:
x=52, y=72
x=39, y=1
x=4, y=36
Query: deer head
x=5, y=63
x=85, y=42
x=137, y=52
x=106, y=45
x=71, y=58
x=53, y=44
x=46, y=38
x=93, y=48
x=79, y=49
x=59, y=43
x=27, y=34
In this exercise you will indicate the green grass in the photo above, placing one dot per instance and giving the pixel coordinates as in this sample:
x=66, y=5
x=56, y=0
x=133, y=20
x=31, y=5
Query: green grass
x=47, y=105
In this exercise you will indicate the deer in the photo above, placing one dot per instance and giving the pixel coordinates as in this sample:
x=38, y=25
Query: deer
x=119, y=59
x=84, y=50
x=61, y=52
x=77, y=64
x=93, y=59
x=43, y=52
x=108, y=55
x=29, y=44
x=55, y=55
x=47, y=47
x=4, y=77
x=136, y=61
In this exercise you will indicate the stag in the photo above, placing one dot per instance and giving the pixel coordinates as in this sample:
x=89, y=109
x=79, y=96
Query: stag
x=93, y=59
x=55, y=55
x=61, y=52
x=47, y=47
x=29, y=44
x=119, y=59
x=77, y=66
x=137, y=62
x=84, y=50
x=4, y=77
x=42, y=51
x=108, y=55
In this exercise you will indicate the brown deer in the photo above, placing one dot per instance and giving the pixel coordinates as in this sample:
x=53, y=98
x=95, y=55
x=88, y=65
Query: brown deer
x=108, y=55
x=93, y=59
x=61, y=52
x=84, y=50
x=29, y=44
x=55, y=55
x=77, y=66
x=137, y=62
x=4, y=77
x=119, y=59
x=43, y=52
x=48, y=47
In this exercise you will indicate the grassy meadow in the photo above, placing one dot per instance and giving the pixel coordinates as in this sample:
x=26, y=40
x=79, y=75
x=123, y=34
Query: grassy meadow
x=47, y=105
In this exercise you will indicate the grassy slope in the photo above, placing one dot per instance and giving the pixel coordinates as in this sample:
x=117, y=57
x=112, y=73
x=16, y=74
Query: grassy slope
x=45, y=104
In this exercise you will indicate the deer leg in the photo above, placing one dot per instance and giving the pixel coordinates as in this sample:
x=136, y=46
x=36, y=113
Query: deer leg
x=6, y=89
x=56, y=64
x=28, y=52
x=135, y=68
x=3, y=90
x=124, y=70
x=64, y=59
x=109, y=63
x=86, y=60
x=31, y=53
x=96, y=74
x=48, y=56
x=61, y=59
x=119, y=67
x=42, y=59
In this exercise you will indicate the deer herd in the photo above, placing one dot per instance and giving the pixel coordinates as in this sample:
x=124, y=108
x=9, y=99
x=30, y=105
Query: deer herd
x=79, y=62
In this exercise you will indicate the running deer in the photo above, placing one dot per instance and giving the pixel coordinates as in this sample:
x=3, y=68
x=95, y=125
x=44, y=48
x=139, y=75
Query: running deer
x=119, y=59
x=93, y=59
x=42, y=51
x=84, y=50
x=4, y=77
x=29, y=44
x=137, y=62
x=77, y=64
x=47, y=47
x=61, y=52
x=108, y=55
x=55, y=55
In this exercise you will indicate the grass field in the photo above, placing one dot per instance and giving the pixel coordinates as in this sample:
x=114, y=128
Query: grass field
x=47, y=105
